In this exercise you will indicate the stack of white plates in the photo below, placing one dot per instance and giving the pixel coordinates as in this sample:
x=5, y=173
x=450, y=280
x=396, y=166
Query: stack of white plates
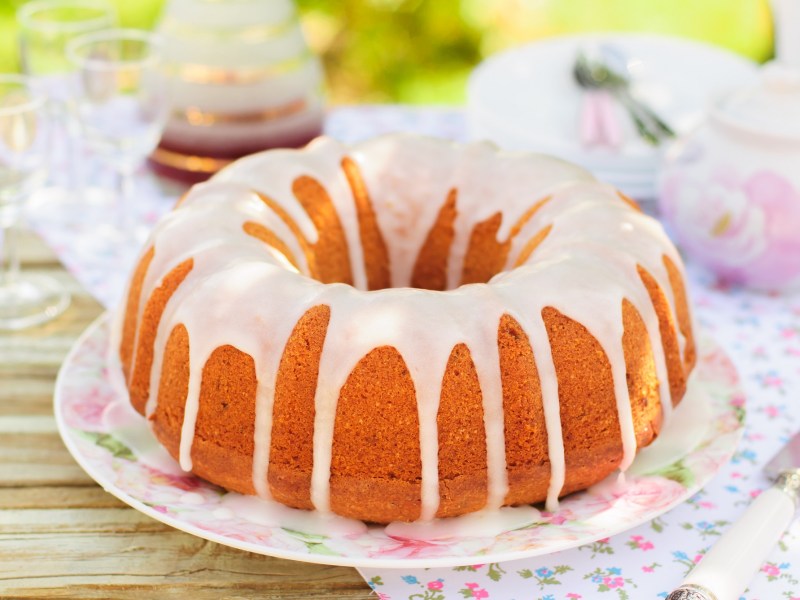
x=527, y=99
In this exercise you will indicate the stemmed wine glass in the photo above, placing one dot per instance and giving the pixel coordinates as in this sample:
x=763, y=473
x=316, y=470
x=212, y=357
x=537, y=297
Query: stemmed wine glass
x=26, y=299
x=121, y=106
x=45, y=29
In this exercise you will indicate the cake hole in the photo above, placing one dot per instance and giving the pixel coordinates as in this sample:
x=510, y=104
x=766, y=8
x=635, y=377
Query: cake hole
x=329, y=258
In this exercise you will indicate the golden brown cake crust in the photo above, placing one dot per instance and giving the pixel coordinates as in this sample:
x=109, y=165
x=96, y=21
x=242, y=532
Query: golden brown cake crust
x=266, y=235
x=527, y=460
x=669, y=337
x=331, y=247
x=463, y=476
x=376, y=254
x=292, y=439
x=132, y=312
x=223, y=439
x=430, y=269
x=139, y=385
x=375, y=466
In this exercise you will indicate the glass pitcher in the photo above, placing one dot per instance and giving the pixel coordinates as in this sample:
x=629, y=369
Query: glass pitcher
x=242, y=80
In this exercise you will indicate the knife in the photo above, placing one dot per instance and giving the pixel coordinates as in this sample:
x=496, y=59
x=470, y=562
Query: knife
x=730, y=564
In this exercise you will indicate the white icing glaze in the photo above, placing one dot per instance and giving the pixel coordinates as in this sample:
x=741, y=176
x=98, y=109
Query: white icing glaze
x=130, y=429
x=483, y=523
x=686, y=429
x=242, y=293
x=273, y=514
x=191, y=498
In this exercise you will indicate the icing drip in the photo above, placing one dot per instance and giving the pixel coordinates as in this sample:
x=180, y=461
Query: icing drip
x=262, y=435
x=549, y=382
x=585, y=266
x=486, y=355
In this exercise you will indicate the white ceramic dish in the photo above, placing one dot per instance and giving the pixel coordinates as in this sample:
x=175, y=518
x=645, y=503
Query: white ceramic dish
x=111, y=451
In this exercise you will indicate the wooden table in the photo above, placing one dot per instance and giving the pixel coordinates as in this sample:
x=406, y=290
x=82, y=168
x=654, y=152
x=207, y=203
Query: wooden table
x=62, y=536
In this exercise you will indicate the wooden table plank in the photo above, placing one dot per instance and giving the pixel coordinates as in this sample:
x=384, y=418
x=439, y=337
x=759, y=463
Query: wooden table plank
x=152, y=561
x=90, y=496
x=62, y=536
x=37, y=459
x=26, y=394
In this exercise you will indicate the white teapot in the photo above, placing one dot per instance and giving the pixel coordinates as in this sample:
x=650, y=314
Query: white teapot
x=730, y=191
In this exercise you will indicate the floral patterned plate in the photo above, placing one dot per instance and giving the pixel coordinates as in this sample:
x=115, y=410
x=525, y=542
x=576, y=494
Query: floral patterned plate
x=85, y=391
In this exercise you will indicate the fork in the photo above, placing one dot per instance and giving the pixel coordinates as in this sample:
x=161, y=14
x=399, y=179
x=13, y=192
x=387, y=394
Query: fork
x=594, y=74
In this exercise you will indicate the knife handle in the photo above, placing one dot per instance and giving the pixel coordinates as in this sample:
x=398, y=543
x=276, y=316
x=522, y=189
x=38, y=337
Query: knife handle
x=734, y=559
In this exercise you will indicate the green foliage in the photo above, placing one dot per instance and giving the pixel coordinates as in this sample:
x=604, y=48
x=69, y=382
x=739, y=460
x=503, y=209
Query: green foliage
x=110, y=443
x=495, y=571
x=422, y=51
x=598, y=547
x=140, y=14
x=430, y=595
x=679, y=473
x=657, y=525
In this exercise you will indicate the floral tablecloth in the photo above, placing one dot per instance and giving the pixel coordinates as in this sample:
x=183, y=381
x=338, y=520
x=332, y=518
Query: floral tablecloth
x=760, y=332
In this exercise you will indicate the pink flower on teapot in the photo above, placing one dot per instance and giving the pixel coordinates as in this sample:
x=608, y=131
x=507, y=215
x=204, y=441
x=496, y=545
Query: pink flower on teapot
x=730, y=189
x=747, y=231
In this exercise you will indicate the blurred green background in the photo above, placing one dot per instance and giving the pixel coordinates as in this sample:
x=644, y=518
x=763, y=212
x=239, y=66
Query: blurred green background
x=421, y=51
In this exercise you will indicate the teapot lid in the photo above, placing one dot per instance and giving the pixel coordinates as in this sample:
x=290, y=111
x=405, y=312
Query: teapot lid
x=772, y=107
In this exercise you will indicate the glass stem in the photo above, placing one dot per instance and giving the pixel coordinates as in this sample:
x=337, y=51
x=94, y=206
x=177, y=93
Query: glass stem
x=10, y=264
x=124, y=199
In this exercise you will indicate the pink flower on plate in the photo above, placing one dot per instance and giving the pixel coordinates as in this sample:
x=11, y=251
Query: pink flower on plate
x=477, y=591
x=614, y=582
x=435, y=585
x=771, y=570
x=641, y=543
x=639, y=495
x=186, y=482
x=409, y=548
x=86, y=410
x=557, y=518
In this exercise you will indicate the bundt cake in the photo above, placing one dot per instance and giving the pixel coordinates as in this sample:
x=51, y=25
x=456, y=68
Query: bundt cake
x=405, y=329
